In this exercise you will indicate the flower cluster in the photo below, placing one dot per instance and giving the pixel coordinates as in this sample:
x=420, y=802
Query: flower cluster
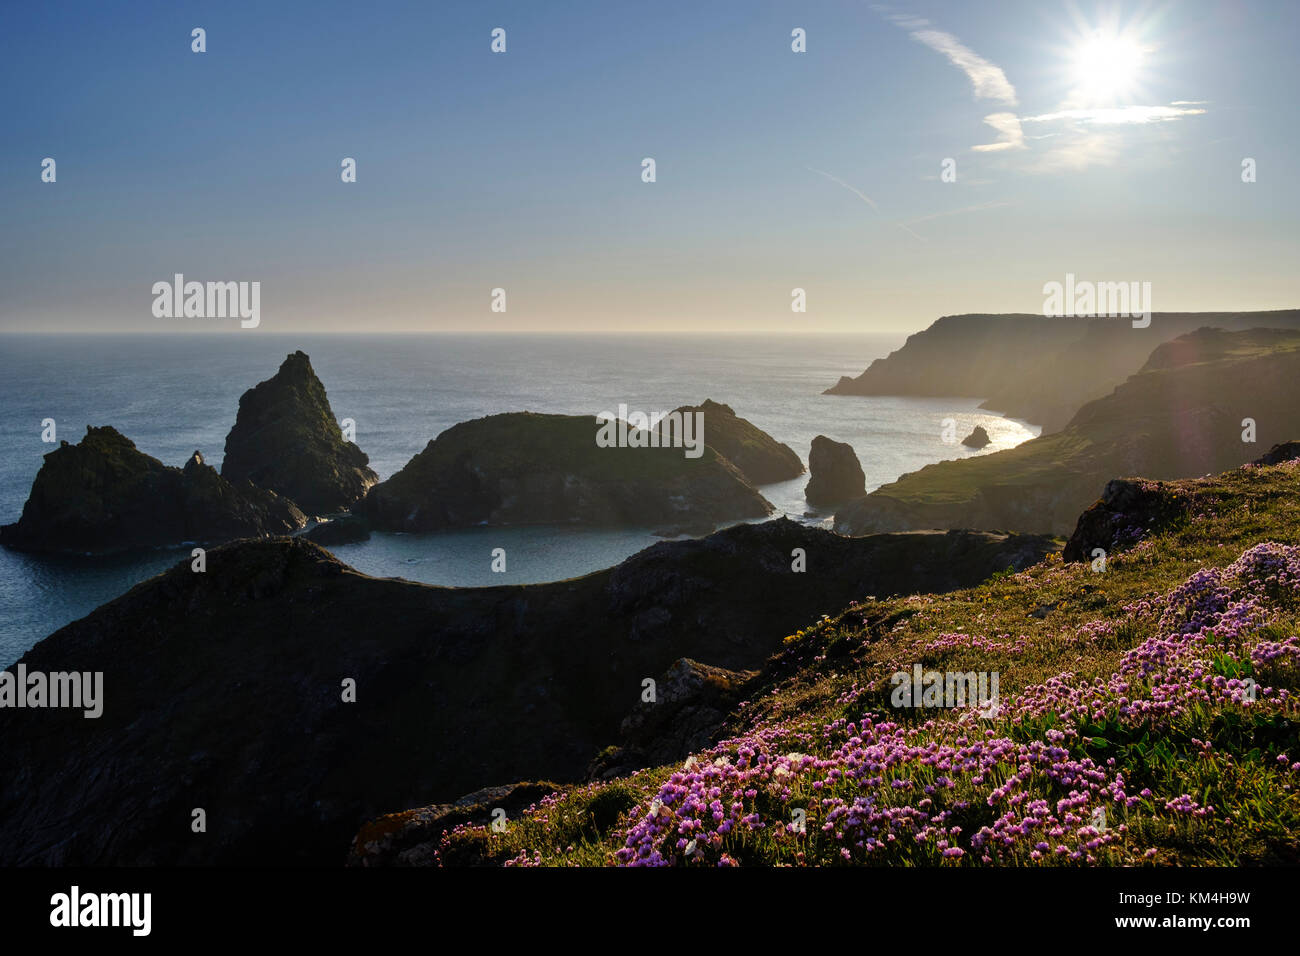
x=922, y=795
x=962, y=641
x=1211, y=617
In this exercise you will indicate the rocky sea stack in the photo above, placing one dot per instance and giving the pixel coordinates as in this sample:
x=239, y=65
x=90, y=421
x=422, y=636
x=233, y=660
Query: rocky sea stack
x=758, y=456
x=286, y=439
x=104, y=494
x=525, y=468
x=978, y=438
x=836, y=473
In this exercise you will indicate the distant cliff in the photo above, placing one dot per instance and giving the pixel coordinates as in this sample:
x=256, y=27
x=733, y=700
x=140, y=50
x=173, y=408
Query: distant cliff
x=1031, y=367
x=1179, y=417
x=224, y=690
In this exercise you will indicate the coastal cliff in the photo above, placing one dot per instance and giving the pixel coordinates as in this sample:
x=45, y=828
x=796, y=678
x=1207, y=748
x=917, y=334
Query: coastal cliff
x=1180, y=416
x=1031, y=367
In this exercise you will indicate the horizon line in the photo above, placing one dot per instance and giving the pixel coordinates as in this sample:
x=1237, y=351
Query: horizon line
x=476, y=332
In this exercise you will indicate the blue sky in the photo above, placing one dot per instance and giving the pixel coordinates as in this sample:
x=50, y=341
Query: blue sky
x=1117, y=134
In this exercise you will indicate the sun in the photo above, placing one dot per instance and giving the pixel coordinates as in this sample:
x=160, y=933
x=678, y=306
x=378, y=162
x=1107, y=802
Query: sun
x=1106, y=65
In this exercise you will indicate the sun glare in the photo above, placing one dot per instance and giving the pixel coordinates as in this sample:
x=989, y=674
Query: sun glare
x=1106, y=65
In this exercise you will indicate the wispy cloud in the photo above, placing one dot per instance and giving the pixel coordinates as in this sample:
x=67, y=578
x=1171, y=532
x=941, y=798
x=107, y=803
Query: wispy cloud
x=988, y=80
x=1116, y=115
x=1076, y=137
x=1010, y=135
x=1080, y=138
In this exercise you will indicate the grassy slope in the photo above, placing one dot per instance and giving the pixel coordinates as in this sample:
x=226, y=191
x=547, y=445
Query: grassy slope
x=1206, y=781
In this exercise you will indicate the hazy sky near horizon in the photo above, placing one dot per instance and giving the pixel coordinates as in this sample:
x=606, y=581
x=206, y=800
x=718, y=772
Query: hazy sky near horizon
x=1104, y=140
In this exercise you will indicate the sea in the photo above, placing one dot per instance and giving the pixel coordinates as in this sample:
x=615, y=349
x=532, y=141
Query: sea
x=174, y=395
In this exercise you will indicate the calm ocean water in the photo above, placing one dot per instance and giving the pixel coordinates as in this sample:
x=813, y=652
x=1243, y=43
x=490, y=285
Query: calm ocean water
x=172, y=395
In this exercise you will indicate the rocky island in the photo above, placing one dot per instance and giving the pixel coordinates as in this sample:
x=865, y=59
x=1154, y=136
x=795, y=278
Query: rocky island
x=286, y=439
x=528, y=468
x=103, y=494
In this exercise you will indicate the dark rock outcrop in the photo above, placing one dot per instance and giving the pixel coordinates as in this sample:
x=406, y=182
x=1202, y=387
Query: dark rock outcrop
x=525, y=468
x=1129, y=508
x=224, y=690
x=103, y=494
x=835, y=473
x=411, y=837
x=692, y=702
x=1182, y=416
x=756, y=454
x=978, y=438
x=346, y=530
x=1284, y=451
x=286, y=439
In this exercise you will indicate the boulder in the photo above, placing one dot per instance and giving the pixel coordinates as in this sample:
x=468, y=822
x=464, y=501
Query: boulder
x=412, y=837
x=1129, y=508
x=286, y=439
x=1283, y=451
x=835, y=472
x=692, y=702
x=104, y=495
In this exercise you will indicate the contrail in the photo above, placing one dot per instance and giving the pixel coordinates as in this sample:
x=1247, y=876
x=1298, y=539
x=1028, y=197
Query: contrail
x=857, y=192
x=865, y=198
